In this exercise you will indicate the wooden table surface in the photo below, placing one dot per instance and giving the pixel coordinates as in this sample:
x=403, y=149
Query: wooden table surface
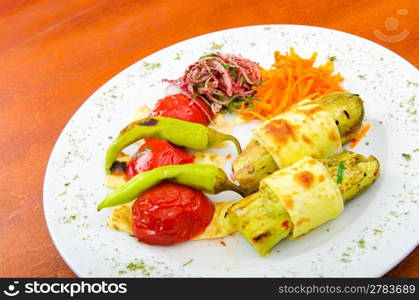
x=55, y=54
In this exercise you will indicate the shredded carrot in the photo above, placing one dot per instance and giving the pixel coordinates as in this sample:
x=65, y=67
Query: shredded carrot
x=291, y=79
x=256, y=115
x=361, y=134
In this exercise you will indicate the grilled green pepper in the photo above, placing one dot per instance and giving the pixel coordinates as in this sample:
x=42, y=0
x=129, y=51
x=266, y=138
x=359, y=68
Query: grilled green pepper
x=179, y=132
x=255, y=163
x=263, y=220
x=204, y=177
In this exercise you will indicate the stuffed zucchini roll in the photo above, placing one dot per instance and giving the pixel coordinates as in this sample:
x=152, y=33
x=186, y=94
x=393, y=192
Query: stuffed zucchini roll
x=296, y=199
x=314, y=128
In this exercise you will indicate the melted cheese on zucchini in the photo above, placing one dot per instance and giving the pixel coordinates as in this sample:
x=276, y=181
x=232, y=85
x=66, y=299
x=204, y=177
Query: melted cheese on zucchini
x=305, y=129
x=307, y=191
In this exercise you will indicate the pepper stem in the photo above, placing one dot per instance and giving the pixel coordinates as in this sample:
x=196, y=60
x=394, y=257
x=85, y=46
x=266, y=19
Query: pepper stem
x=235, y=141
x=222, y=183
x=215, y=137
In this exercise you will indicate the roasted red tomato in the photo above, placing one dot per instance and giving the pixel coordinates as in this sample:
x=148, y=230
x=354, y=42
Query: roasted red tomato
x=170, y=213
x=184, y=108
x=156, y=153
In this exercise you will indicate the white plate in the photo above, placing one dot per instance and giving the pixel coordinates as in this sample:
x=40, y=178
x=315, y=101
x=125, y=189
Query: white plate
x=375, y=232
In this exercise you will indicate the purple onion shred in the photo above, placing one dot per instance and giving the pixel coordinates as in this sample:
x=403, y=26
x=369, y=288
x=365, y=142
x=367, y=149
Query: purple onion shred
x=220, y=80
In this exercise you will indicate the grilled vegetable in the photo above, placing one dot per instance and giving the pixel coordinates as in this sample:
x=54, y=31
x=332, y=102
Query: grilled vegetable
x=204, y=177
x=261, y=220
x=278, y=210
x=347, y=110
x=359, y=172
x=171, y=213
x=256, y=162
x=220, y=226
x=182, y=107
x=179, y=132
x=155, y=153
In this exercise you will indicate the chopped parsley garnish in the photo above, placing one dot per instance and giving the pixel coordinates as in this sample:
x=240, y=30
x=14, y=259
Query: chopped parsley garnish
x=234, y=71
x=377, y=230
x=208, y=55
x=341, y=167
x=215, y=46
x=406, y=156
x=251, y=106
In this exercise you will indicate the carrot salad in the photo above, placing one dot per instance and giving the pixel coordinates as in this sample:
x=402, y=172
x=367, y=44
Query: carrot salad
x=291, y=79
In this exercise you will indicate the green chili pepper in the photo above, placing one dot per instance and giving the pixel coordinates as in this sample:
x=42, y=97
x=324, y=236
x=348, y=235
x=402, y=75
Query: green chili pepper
x=204, y=177
x=341, y=167
x=182, y=133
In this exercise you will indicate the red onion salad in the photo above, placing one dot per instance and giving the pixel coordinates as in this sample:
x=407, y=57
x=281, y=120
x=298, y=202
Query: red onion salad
x=222, y=81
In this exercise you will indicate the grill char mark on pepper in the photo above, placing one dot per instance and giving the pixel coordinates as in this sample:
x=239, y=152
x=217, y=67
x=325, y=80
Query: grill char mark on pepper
x=149, y=122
